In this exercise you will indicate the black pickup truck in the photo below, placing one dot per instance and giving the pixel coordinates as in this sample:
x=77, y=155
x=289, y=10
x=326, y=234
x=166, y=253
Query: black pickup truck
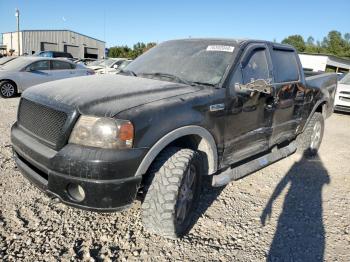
x=183, y=110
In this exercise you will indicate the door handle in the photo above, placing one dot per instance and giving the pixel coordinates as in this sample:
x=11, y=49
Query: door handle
x=270, y=103
x=269, y=106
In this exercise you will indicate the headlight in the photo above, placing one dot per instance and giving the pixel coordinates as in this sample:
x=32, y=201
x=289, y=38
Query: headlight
x=102, y=132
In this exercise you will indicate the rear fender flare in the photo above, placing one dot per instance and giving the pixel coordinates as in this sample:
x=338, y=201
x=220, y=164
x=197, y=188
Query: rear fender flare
x=323, y=101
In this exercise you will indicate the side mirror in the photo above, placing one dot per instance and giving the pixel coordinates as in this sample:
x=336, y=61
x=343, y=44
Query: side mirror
x=115, y=66
x=261, y=86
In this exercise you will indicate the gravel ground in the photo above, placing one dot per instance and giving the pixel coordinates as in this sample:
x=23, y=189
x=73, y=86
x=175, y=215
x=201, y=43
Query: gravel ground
x=294, y=210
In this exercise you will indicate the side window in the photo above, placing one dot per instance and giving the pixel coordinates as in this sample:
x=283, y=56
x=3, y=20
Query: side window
x=61, y=65
x=256, y=68
x=40, y=66
x=285, y=66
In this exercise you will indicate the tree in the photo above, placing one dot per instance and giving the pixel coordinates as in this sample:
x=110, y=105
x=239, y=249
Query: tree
x=310, y=41
x=119, y=51
x=297, y=41
x=127, y=52
x=334, y=43
x=347, y=38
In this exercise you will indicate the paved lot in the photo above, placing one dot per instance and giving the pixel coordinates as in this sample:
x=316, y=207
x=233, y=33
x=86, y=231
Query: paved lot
x=294, y=210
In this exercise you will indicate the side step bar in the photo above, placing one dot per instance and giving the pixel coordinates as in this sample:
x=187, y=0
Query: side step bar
x=252, y=166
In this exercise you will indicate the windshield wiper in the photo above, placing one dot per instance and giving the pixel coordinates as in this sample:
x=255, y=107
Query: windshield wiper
x=174, y=77
x=202, y=84
x=128, y=72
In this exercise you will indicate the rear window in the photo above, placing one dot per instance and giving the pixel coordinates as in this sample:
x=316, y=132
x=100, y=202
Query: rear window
x=60, y=65
x=285, y=66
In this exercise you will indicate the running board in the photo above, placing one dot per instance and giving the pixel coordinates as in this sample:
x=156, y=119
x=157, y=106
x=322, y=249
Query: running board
x=252, y=166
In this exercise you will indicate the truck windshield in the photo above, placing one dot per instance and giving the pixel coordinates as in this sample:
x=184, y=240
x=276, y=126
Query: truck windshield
x=192, y=61
x=345, y=80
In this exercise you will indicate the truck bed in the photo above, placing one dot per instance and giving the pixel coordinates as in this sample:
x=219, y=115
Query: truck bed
x=327, y=83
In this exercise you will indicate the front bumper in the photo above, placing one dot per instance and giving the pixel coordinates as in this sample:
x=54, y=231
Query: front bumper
x=342, y=101
x=105, y=175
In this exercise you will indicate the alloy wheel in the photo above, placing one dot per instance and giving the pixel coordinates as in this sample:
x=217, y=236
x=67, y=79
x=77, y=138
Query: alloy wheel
x=7, y=90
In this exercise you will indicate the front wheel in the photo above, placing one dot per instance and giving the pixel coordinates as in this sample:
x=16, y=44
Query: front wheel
x=310, y=140
x=8, y=89
x=174, y=192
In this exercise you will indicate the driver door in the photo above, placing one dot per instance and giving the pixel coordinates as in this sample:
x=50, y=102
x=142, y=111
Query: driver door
x=248, y=119
x=36, y=73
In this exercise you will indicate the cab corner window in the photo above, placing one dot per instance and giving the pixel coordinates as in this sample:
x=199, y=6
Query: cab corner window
x=285, y=66
x=256, y=68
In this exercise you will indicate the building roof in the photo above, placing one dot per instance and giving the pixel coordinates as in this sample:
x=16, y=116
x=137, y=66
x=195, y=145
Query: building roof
x=56, y=30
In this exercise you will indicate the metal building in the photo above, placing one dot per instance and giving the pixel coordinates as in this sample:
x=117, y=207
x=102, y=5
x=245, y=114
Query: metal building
x=34, y=41
x=322, y=62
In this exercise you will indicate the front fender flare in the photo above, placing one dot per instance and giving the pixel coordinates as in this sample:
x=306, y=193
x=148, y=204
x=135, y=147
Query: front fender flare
x=207, y=145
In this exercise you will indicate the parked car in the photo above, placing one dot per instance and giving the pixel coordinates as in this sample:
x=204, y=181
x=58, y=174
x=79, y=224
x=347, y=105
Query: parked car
x=106, y=66
x=6, y=59
x=122, y=66
x=23, y=72
x=183, y=110
x=342, y=98
x=55, y=54
x=86, y=61
x=340, y=76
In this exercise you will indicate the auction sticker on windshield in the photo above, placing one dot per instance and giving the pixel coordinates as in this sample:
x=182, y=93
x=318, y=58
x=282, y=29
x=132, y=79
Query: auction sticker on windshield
x=221, y=48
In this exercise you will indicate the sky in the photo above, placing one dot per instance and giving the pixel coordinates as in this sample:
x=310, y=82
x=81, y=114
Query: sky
x=128, y=22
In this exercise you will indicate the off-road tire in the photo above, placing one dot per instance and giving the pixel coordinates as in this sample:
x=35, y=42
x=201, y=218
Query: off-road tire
x=168, y=175
x=305, y=139
x=4, y=89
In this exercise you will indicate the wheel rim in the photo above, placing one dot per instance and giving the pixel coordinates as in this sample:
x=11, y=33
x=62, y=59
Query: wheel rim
x=316, y=135
x=186, y=194
x=7, y=90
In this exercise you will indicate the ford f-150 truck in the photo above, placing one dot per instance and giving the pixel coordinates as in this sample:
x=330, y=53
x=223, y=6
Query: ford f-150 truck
x=183, y=110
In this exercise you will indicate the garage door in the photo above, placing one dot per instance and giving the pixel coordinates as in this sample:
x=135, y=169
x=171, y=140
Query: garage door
x=48, y=46
x=73, y=50
x=91, y=52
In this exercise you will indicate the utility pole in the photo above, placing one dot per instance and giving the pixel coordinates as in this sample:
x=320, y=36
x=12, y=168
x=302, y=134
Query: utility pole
x=18, y=40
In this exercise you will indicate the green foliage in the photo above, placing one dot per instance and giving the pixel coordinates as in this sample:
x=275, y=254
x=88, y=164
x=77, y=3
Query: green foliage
x=297, y=41
x=334, y=43
x=127, y=52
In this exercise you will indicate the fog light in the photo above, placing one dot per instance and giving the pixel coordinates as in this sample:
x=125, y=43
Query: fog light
x=76, y=192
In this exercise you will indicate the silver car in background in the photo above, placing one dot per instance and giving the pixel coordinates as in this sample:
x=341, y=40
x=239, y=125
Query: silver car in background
x=24, y=72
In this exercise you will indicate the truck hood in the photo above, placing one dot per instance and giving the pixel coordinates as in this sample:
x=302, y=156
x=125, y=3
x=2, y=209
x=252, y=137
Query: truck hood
x=104, y=95
x=343, y=87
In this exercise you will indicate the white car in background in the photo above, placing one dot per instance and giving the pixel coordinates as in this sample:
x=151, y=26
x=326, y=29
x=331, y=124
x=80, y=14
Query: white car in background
x=6, y=59
x=24, y=72
x=106, y=66
x=342, y=97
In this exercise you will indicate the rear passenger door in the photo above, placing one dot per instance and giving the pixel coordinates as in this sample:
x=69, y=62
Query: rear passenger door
x=62, y=69
x=289, y=93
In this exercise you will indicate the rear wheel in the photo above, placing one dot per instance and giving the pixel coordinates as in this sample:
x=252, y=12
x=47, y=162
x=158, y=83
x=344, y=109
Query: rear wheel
x=8, y=89
x=310, y=140
x=173, y=193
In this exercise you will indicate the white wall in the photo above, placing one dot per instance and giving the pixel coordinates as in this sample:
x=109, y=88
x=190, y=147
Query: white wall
x=11, y=41
x=314, y=62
